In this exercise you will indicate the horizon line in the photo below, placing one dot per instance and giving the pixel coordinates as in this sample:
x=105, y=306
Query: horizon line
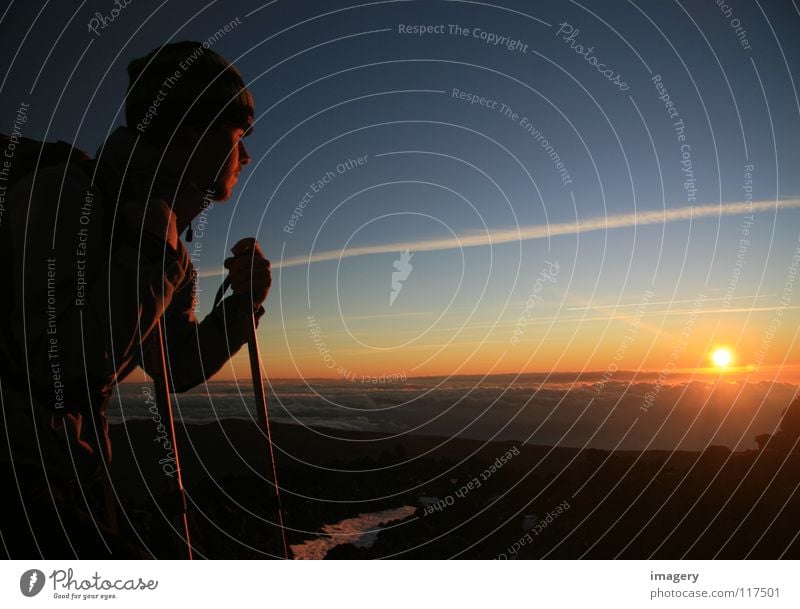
x=705, y=371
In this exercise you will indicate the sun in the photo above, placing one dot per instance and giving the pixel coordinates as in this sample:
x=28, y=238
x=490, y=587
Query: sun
x=722, y=357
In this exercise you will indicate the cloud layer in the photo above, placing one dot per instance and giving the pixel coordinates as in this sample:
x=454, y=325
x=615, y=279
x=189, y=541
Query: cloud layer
x=685, y=416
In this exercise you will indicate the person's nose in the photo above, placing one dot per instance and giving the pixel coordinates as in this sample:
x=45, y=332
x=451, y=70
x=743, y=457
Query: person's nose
x=244, y=157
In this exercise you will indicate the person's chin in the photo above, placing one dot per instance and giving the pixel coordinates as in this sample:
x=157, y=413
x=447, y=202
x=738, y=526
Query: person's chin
x=223, y=193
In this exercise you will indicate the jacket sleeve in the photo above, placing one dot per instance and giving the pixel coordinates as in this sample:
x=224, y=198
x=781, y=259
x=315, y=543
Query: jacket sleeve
x=82, y=308
x=197, y=350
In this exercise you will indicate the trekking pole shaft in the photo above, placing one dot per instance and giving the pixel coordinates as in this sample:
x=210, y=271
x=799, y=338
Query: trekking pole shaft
x=158, y=364
x=263, y=414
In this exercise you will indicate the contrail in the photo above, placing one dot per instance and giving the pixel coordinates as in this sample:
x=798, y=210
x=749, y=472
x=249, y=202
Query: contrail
x=541, y=231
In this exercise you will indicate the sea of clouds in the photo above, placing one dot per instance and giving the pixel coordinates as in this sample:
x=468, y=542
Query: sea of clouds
x=563, y=410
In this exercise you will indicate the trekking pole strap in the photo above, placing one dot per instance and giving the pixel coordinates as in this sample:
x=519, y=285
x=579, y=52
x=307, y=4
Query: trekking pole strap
x=221, y=291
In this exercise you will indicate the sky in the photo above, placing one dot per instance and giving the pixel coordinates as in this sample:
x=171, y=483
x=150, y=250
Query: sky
x=479, y=188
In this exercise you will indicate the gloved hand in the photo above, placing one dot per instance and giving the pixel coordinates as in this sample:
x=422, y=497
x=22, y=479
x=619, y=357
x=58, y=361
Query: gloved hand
x=249, y=271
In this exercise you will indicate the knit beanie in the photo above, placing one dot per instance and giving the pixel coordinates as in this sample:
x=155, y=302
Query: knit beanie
x=185, y=83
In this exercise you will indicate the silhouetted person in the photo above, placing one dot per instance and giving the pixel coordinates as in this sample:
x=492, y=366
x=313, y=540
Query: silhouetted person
x=787, y=438
x=790, y=423
x=95, y=266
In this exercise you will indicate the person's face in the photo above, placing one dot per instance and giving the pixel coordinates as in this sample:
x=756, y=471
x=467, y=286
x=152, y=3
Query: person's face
x=218, y=158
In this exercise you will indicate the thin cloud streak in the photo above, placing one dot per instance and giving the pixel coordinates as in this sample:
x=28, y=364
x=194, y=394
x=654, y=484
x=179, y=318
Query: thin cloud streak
x=542, y=231
x=666, y=302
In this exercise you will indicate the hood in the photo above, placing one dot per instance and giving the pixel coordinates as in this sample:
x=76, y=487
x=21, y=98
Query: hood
x=130, y=163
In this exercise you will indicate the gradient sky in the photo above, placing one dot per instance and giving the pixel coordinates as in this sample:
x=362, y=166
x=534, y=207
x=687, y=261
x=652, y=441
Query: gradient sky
x=453, y=182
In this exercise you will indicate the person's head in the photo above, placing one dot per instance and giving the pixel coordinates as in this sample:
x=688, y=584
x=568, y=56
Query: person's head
x=189, y=101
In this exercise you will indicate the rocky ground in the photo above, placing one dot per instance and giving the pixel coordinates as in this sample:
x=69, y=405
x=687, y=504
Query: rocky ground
x=473, y=499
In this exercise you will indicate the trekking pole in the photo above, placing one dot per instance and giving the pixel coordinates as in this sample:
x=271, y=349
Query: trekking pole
x=257, y=375
x=158, y=363
x=112, y=519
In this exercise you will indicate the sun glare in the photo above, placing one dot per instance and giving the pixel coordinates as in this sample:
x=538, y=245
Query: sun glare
x=722, y=357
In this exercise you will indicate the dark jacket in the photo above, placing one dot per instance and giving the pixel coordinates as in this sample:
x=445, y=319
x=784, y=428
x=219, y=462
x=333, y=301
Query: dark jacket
x=88, y=292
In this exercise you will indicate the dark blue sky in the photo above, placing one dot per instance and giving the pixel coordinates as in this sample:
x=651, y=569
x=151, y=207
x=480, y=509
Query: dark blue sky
x=337, y=80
